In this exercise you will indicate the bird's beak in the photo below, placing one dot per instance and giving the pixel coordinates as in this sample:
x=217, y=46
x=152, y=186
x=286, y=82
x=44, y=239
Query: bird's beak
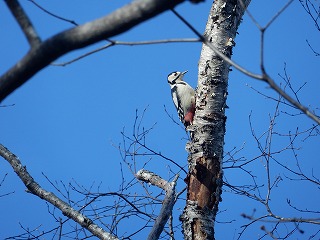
x=183, y=73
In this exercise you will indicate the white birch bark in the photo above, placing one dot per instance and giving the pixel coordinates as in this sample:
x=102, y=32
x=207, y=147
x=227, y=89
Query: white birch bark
x=206, y=149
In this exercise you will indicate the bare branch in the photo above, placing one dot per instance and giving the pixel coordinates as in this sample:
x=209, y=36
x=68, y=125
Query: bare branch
x=295, y=103
x=10, y=105
x=271, y=20
x=1, y=182
x=278, y=13
x=81, y=36
x=313, y=12
x=154, y=179
x=24, y=22
x=36, y=189
x=316, y=53
x=168, y=201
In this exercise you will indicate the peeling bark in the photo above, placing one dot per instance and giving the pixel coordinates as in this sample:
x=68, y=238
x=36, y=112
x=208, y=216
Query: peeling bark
x=206, y=149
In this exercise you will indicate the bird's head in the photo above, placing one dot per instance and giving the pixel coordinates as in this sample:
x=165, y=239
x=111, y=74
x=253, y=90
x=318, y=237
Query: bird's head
x=175, y=77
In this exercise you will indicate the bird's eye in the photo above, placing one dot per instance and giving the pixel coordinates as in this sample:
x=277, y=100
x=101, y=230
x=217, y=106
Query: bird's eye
x=175, y=73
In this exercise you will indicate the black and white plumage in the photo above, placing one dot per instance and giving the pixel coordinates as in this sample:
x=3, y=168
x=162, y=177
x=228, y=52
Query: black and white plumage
x=183, y=97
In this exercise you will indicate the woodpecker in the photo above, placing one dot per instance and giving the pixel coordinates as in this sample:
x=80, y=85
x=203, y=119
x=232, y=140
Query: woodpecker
x=183, y=97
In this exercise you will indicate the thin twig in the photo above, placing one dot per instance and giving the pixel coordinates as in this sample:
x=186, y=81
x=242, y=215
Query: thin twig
x=53, y=15
x=114, y=43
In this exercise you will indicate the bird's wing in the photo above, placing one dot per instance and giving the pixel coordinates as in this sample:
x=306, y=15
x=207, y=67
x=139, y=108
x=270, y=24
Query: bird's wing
x=177, y=103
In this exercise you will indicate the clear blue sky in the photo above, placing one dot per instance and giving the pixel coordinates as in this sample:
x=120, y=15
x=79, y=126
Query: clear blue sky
x=66, y=120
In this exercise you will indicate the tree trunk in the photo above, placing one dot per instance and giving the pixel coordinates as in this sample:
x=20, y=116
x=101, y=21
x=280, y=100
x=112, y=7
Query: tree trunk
x=206, y=147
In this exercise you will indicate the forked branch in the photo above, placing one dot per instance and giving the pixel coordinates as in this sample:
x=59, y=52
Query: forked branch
x=78, y=37
x=168, y=202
